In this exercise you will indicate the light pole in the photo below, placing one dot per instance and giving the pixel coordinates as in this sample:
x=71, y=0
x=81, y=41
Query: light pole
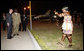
x=30, y=15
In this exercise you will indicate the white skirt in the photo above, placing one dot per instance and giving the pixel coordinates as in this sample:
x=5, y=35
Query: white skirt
x=67, y=27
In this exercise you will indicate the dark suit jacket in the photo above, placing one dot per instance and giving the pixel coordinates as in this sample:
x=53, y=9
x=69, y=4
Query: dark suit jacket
x=9, y=18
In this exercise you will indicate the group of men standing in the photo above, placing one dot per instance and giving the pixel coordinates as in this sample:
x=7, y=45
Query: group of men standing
x=13, y=20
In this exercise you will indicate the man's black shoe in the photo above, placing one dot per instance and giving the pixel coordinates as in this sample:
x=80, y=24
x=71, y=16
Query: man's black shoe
x=14, y=34
x=10, y=37
x=17, y=34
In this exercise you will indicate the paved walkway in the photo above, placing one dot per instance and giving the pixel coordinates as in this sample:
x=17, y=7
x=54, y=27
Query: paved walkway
x=21, y=42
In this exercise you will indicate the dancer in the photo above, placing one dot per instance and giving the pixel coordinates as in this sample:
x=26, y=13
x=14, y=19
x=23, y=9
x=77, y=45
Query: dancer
x=67, y=25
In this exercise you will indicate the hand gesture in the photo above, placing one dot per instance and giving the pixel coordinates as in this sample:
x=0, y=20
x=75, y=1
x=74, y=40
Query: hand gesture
x=56, y=12
x=7, y=24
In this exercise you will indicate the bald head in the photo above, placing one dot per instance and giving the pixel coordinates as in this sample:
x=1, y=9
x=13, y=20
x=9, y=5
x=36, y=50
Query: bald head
x=10, y=11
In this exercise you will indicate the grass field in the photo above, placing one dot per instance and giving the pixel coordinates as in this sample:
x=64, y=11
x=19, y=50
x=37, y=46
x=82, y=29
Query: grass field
x=50, y=34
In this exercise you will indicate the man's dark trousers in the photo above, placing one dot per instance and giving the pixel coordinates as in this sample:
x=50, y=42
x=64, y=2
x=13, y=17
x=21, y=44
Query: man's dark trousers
x=9, y=31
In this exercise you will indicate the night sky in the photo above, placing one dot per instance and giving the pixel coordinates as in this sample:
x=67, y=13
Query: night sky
x=41, y=6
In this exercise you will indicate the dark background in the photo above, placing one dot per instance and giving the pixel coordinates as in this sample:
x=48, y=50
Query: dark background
x=41, y=6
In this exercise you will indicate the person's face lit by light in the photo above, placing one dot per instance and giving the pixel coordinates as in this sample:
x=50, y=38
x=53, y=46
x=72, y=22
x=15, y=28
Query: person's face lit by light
x=64, y=10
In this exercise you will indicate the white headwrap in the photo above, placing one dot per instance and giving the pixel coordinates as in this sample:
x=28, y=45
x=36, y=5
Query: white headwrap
x=65, y=8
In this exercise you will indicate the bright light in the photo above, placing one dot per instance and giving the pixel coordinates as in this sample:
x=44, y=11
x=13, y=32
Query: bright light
x=24, y=8
x=28, y=7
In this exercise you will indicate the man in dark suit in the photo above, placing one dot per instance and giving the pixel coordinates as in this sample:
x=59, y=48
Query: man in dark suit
x=24, y=23
x=9, y=23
